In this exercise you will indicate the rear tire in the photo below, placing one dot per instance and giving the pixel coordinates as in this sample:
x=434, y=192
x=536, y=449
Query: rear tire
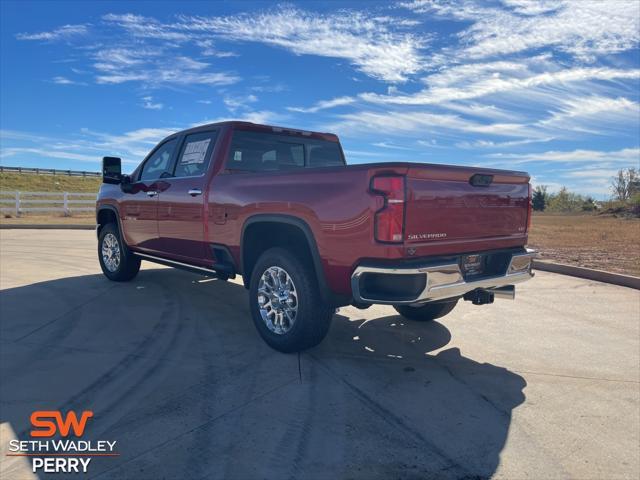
x=286, y=304
x=118, y=263
x=426, y=312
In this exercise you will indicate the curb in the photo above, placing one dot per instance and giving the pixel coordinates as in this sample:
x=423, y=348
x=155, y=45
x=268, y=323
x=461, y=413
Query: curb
x=8, y=226
x=588, y=273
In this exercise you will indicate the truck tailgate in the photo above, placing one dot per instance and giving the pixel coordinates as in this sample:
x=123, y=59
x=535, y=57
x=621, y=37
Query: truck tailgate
x=448, y=204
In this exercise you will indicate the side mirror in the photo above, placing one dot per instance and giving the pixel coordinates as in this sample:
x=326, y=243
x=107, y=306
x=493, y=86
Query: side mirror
x=111, y=170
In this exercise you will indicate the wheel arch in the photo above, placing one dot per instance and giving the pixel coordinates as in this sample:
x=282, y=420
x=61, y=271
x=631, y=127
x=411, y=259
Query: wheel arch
x=106, y=214
x=249, y=254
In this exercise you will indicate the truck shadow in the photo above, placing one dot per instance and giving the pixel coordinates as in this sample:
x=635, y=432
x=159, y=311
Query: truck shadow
x=174, y=370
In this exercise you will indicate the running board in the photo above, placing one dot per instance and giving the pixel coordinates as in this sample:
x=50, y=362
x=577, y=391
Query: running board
x=185, y=266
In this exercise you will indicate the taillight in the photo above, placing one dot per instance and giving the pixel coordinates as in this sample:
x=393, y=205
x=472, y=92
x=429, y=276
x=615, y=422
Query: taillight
x=389, y=220
x=530, y=210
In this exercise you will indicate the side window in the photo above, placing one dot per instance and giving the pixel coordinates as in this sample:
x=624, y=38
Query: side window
x=256, y=152
x=160, y=162
x=195, y=154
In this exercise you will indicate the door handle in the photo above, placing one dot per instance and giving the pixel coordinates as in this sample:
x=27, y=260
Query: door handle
x=195, y=192
x=152, y=193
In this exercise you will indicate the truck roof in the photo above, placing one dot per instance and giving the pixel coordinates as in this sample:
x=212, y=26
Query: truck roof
x=240, y=125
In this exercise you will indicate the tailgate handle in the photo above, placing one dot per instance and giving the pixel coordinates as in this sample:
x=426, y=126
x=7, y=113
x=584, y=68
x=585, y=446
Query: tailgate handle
x=481, y=180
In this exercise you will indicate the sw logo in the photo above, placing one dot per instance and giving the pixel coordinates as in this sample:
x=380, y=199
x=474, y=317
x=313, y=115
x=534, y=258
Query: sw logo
x=43, y=419
x=62, y=454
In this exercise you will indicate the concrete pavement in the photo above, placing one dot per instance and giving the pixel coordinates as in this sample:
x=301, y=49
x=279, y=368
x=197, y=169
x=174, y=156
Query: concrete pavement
x=547, y=386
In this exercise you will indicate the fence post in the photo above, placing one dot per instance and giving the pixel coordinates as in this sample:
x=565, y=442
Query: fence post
x=17, y=204
x=65, y=205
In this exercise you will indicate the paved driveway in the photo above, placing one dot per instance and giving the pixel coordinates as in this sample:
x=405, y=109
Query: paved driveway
x=543, y=387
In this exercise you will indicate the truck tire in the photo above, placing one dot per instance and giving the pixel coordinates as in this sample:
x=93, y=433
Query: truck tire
x=286, y=304
x=116, y=260
x=426, y=312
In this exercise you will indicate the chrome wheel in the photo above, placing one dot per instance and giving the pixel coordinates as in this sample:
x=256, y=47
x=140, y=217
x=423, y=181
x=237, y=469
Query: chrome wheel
x=278, y=300
x=111, y=252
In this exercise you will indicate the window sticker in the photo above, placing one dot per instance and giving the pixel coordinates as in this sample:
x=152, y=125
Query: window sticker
x=195, y=152
x=237, y=156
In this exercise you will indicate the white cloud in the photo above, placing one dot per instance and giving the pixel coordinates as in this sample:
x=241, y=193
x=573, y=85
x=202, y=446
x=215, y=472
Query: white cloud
x=593, y=173
x=149, y=104
x=391, y=146
x=324, y=104
x=66, y=81
x=476, y=144
x=625, y=155
x=594, y=114
x=146, y=27
x=488, y=111
x=373, y=44
x=64, y=32
x=533, y=7
x=47, y=153
x=234, y=103
x=412, y=122
x=132, y=146
x=154, y=67
x=209, y=50
x=585, y=29
x=441, y=91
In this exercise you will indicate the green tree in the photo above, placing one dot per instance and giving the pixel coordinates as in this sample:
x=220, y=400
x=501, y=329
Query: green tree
x=565, y=201
x=540, y=198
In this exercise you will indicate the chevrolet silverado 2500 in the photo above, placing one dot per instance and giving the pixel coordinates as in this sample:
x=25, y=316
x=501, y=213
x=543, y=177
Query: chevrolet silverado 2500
x=309, y=233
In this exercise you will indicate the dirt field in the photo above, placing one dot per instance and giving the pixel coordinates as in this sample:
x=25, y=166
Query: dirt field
x=78, y=219
x=592, y=241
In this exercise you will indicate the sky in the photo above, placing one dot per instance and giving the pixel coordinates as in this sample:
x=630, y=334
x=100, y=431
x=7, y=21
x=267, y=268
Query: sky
x=550, y=87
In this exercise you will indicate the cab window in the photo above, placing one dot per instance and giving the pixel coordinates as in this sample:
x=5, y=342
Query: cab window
x=160, y=164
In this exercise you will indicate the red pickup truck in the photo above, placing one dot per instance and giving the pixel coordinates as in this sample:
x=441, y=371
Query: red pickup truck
x=309, y=233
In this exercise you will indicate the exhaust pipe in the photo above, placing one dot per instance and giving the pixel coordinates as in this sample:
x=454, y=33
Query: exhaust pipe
x=508, y=292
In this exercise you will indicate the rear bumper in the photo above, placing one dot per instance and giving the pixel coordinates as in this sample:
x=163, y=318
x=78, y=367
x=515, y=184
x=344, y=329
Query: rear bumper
x=435, y=282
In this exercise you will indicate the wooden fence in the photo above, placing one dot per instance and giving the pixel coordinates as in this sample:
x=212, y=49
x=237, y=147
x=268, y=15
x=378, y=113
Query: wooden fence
x=50, y=171
x=66, y=203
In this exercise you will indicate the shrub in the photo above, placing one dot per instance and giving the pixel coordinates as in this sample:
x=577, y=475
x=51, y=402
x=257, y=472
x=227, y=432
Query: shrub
x=539, y=198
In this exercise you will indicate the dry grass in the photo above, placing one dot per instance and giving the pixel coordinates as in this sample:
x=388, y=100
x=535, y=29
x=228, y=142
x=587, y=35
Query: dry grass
x=29, y=182
x=593, y=241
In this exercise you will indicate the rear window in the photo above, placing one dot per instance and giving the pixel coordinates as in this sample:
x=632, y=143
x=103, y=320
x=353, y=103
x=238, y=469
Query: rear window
x=256, y=151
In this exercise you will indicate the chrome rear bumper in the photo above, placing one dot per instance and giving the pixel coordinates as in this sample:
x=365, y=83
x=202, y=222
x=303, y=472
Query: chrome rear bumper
x=443, y=280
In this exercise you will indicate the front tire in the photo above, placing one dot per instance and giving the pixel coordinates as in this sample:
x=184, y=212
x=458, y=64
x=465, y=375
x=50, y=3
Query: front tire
x=427, y=312
x=116, y=260
x=285, y=302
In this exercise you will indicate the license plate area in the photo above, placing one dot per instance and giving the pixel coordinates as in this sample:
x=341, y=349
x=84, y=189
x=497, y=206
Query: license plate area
x=472, y=264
